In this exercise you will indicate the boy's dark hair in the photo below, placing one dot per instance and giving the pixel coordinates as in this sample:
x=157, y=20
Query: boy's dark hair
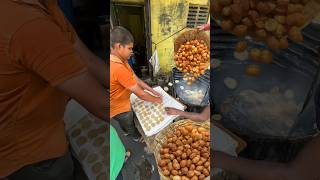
x=120, y=35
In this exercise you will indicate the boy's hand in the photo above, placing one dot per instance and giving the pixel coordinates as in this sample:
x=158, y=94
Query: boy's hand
x=159, y=100
x=156, y=93
x=173, y=111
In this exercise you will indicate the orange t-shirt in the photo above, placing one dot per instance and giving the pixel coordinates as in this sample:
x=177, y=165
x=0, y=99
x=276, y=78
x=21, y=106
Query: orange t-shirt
x=36, y=54
x=121, y=79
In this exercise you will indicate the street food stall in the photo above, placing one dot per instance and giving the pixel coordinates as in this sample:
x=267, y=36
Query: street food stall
x=177, y=57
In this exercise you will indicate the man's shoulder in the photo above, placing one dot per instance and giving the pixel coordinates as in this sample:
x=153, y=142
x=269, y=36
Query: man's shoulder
x=13, y=15
x=10, y=7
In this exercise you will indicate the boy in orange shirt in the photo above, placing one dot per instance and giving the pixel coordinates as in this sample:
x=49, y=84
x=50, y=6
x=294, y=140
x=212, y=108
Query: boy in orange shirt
x=123, y=81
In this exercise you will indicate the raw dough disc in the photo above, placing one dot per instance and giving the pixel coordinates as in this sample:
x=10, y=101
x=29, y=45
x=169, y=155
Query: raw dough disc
x=230, y=83
x=92, y=158
x=289, y=94
x=83, y=154
x=217, y=117
x=81, y=140
x=76, y=132
x=98, y=141
x=96, y=168
x=216, y=63
x=275, y=90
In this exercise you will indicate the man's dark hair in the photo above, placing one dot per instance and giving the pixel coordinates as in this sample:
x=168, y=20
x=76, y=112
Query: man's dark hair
x=120, y=35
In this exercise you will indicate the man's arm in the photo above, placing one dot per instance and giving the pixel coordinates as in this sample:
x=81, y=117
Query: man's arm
x=203, y=116
x=305, y=166
x=250, y=169
x=88, y=92
x=204, y=27
x=95, y=64
x=138, y=91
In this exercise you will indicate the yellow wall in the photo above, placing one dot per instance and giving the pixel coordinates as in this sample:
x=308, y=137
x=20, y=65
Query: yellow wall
x=200, y=2
x=168, y=17
x=129, y=1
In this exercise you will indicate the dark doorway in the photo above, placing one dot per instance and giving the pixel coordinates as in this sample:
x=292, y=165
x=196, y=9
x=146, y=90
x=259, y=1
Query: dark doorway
x=132, y=17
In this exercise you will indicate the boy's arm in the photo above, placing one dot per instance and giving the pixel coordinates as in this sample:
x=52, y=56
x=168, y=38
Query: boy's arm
x=204, y=27
x=128, y=80
x=96, y=65
x=138, y=91
x=250, y=169
x=89, y=93
x=145, y=86
x=306, y=164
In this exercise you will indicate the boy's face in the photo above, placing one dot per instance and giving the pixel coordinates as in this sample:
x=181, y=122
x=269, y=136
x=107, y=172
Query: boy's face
x=124, y=51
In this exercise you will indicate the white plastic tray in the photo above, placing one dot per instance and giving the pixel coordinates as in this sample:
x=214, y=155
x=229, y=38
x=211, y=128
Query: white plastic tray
x=168, y=101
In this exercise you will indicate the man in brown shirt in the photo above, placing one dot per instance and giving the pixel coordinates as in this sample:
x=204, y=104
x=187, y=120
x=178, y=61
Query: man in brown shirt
x=42, y=64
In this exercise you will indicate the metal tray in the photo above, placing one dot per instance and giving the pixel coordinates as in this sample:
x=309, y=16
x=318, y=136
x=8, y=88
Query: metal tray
x=201, y=84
